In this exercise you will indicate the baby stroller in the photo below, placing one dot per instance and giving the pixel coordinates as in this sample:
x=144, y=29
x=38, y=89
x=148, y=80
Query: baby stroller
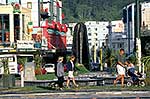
x=135, y=78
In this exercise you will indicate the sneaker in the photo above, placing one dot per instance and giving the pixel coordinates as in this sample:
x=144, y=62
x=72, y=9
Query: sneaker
x=61, y=89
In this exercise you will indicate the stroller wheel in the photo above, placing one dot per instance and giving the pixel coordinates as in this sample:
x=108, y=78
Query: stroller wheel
x=129, y=83
x=142, y=83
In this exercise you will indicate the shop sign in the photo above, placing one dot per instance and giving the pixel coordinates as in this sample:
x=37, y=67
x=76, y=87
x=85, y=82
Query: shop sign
x=25, y=44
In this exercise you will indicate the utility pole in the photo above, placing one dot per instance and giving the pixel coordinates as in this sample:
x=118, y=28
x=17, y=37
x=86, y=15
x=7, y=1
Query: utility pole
x=137, y=35
x=110, y=35
x=6, y=2
x=94, y=47
x=39, y=11
x=101, y=58
x=20, y=2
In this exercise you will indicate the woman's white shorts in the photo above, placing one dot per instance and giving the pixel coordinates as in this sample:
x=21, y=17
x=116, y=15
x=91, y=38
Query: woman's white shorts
x=70, y=74
x=120, y=70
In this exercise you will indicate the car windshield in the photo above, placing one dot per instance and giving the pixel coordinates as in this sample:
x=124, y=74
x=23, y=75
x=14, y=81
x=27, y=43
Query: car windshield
x=49, y=65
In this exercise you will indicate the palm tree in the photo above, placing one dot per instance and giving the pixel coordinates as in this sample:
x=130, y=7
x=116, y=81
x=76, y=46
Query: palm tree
x=7, y=79
x=5, y=65
x=109, y=57
x=38, y=62
x=146, y=61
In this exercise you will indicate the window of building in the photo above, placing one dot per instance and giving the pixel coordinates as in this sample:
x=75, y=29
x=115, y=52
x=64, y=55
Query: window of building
x=90, y=44
x=89, y=34
x=113, y=45
x=29, y=5
x=96, y=44
x=120, y=45
x=23, y=23
x=16, y=27
x=95, y=29
x=97, y=22
x=95, y=34
x=4, y=28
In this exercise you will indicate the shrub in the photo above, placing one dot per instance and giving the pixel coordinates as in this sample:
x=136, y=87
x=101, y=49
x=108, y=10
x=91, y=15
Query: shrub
x=147, y=80
x=81, y=69
x=46, y=77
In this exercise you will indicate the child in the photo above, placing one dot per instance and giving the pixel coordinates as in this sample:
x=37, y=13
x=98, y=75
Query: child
x=132, y=72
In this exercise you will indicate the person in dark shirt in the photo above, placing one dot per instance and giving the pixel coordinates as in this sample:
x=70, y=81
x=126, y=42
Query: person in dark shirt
x=71, y=68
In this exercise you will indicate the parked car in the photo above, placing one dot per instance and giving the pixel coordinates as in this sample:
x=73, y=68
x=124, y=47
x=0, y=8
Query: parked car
x=49, y=67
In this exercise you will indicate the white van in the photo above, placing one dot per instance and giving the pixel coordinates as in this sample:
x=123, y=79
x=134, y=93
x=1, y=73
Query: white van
x=12, y=63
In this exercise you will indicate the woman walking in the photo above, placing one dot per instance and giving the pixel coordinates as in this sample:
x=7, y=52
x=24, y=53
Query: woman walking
x=71, y=68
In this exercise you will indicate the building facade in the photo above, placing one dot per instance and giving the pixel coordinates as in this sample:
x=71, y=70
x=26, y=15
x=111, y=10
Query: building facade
x=118, y=36
x=13, y=24
x=145, y=17
x=97, y=32
x=129, y=21
x=35, y=24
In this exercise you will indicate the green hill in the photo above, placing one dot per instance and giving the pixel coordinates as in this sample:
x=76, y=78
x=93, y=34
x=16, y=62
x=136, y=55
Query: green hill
x=98, y=10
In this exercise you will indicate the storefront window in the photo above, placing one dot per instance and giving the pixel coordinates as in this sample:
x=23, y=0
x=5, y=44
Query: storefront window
x=16, y=27
x=4, y=28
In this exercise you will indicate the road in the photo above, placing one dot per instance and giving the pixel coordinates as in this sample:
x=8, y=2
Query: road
x=81, y=95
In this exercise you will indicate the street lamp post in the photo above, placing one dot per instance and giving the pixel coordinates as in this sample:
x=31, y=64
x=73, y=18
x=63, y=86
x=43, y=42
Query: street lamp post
x=137, y=35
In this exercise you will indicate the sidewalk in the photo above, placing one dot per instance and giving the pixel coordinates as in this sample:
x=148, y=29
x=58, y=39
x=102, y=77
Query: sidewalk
x=80, y=90
x=83, y=93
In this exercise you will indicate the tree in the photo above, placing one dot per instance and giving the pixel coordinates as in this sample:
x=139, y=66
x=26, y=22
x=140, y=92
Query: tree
x=110, y=59
x=38, y=61
x=146, y=61
x=7, y=79
x=5, y=66
x=98, y=10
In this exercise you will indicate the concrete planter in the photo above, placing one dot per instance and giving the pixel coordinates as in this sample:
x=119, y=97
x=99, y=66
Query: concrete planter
x=8, y=80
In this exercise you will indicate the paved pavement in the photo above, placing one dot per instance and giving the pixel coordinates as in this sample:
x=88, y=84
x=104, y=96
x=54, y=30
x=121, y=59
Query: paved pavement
x=80, y=95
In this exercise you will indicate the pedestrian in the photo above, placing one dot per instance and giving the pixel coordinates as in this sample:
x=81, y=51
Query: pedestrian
x=121, y=62
x=60, y=72
x=71, y=69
